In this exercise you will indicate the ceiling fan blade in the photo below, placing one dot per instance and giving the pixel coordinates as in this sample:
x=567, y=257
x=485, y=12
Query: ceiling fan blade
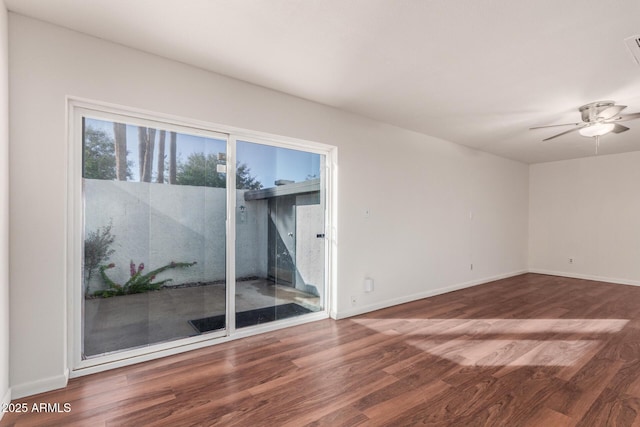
x=619, y=129
x=610, y=112
x=553, y=126
x=626, y=117
x=563, y=133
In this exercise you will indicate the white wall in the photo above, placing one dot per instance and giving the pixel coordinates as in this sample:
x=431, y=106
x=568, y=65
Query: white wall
x=5, y=394
x=587, y=209
x=418, y=240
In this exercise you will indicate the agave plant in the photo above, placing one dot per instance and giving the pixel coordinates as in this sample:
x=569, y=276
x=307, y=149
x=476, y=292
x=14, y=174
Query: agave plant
x=138, y=282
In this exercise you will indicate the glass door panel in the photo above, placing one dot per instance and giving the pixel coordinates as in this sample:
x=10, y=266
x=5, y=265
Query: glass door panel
x=154, y=235
x=280, y=241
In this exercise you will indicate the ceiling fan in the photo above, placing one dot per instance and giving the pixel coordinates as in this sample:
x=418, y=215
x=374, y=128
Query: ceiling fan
x=598, y=118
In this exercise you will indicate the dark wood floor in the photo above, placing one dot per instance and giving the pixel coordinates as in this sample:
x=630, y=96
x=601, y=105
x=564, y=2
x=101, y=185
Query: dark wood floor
x=532, y=350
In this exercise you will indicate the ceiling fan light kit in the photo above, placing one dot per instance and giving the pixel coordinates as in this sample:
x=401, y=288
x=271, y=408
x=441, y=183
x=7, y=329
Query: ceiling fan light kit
x=596, y=129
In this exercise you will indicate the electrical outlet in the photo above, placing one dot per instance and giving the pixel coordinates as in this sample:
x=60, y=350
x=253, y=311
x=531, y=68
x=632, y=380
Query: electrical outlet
x=572, y=260
x=471, y=266
x=354, y=300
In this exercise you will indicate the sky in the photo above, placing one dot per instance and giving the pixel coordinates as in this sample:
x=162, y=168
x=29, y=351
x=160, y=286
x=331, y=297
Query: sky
x=266, y=163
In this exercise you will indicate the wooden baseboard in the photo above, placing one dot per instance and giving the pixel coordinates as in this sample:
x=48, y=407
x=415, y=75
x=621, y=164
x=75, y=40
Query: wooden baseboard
x=6, y=399
x=413, y=297
x=586, y=277
x=40, y=386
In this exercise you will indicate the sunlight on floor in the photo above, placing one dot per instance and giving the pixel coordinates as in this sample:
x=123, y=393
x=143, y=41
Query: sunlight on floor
x=509, y=352
x=460, y=340
x=501, y=326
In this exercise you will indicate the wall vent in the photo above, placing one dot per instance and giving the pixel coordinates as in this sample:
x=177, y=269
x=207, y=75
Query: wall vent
x=633, y=44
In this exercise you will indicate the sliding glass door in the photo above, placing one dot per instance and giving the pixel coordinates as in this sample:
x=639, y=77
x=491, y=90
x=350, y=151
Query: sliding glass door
x=188, y=235
x=154, y=234
x=280, y=244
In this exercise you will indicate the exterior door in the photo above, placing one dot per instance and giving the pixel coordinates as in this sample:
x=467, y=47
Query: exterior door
x=154, y=209
x=278, y=274
x=282, y=240
x=183, y=235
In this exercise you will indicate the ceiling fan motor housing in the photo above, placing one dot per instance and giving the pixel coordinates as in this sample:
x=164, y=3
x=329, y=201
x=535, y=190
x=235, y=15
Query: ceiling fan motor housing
x=592, y=110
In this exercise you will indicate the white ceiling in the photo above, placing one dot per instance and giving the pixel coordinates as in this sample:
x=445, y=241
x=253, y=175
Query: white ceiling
x=475, y=72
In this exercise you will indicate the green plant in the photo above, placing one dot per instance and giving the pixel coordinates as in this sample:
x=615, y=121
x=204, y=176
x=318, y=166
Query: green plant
x=97, y=250
x=100, y=155
x=138, y=282
x=200, y=169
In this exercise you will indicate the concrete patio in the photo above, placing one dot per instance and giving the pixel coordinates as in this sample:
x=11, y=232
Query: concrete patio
x=130, y=321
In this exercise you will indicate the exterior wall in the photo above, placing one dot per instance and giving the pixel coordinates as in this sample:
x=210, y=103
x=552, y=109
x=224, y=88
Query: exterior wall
x=251, y=237
x=5, y=392
x=310, y=249
x=589, y=210
x=157, y=224
x=417, y=240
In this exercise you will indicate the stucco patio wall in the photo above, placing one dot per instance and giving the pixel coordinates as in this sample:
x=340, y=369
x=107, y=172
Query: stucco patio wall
x=159, y=223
